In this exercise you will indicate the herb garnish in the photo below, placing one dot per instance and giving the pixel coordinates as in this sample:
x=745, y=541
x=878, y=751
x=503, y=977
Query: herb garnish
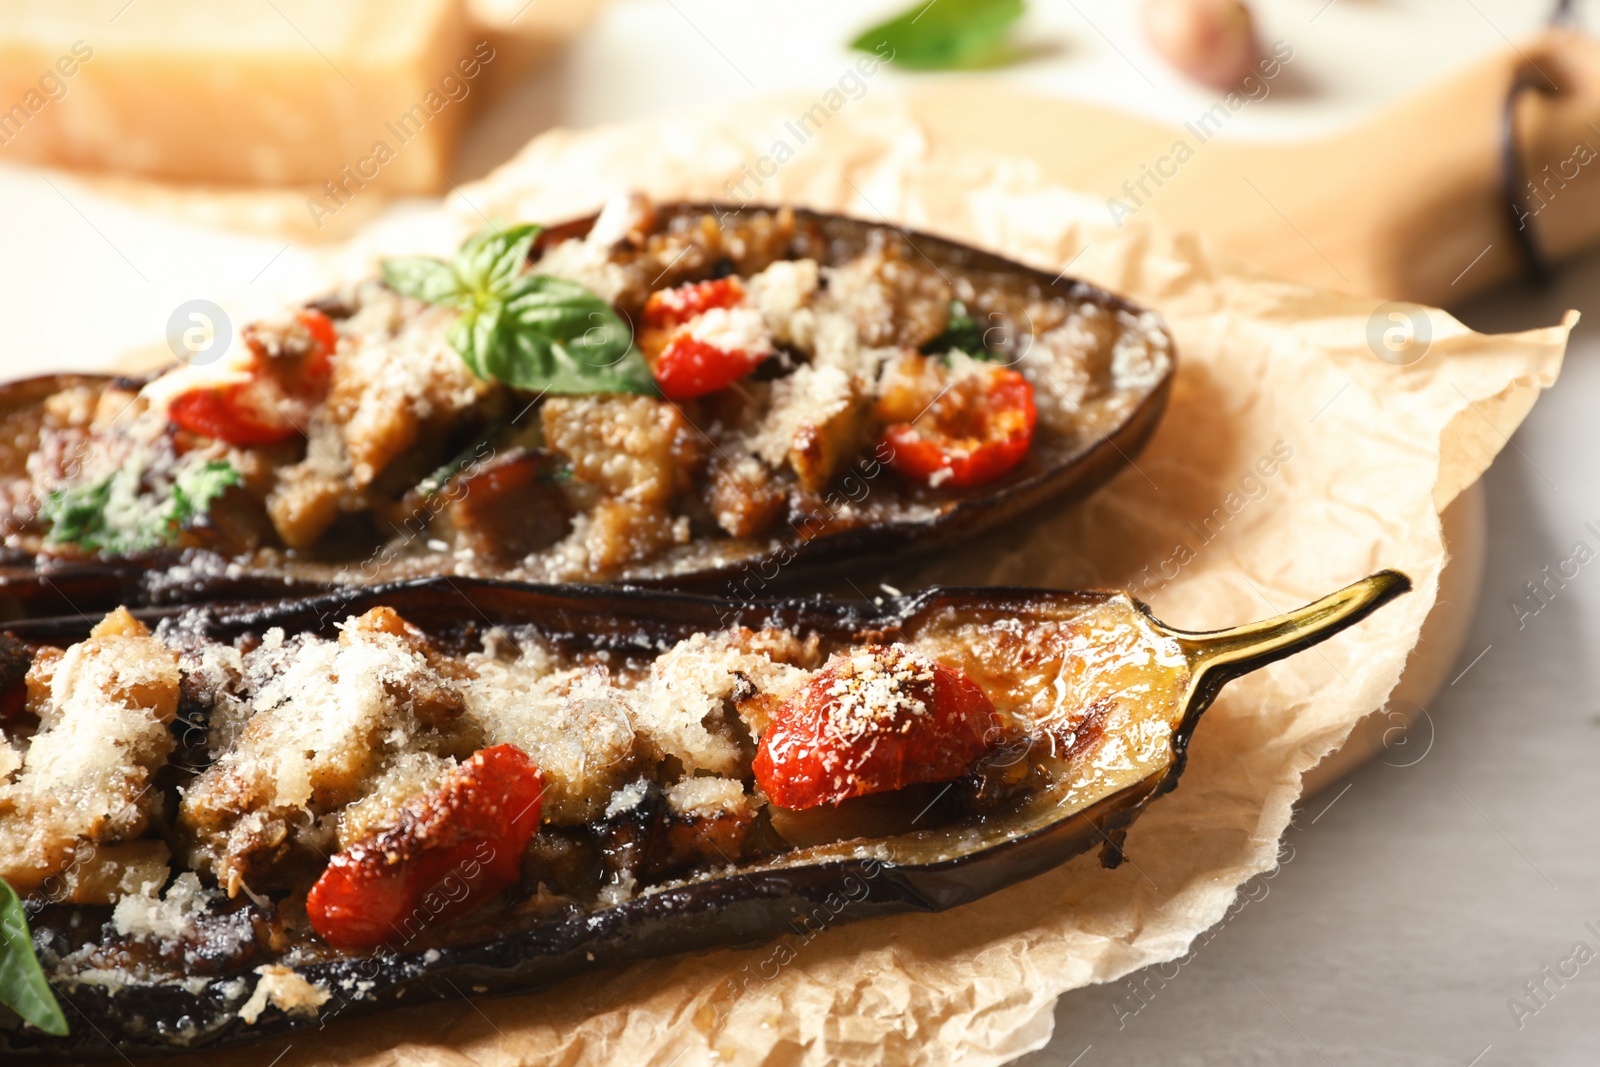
x=945, y=34
x=111, y=516
x=480, y=449
x=963, y=332
x=530, y=331
x=23, y=986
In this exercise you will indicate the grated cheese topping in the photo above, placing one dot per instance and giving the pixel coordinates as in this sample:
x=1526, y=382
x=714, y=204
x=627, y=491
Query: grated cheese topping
x=587, y=262
x=103, y=708
x=165, y=917
x=681, y=712
x=782, y=293
x=876, y=689
x=320, y=741
x=280, y=987
x=737, y=329
x=576, y=726
x=709, y=796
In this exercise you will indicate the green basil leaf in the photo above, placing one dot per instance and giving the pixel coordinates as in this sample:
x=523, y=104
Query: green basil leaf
x=196, y=489
x=565, y=311
x=944, y=34
x=530, y=331
x=76, y=514
x=115, y=516
x=422, y=277
x=105, y=516
x=23, y=986
x=491, y=260
x=961, y=331
x=567, y=340
x=475, y=335
x=538, y=363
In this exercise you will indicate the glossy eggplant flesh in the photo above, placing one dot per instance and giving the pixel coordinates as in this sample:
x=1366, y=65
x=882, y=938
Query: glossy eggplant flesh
x=902, y=391
x=178, y=781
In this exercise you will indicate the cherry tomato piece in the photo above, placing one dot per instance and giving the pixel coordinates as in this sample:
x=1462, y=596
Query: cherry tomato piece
x=972, y=434
x=242, y=414
x=874, y=719
x=300, y=362
x=667, y=308
x=318, y=365
x=446, y=853
x=321, y=329
x=689, y=367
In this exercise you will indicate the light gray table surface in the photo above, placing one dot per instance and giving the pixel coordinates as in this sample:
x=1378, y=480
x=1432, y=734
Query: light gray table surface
x=1416, y=902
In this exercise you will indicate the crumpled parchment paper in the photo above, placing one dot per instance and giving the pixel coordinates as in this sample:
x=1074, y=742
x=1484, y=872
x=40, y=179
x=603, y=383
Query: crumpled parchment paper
x=1291, y=462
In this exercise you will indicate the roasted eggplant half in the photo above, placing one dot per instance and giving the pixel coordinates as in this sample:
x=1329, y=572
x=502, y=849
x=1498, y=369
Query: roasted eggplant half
x=684, y=395
x=228, y=822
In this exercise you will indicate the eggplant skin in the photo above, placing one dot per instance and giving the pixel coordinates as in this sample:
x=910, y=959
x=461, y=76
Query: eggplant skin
x=43, y=586
x=754, y=908
x=747, y=907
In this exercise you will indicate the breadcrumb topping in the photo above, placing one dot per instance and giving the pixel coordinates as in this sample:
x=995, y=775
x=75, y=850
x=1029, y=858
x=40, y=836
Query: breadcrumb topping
x=877, y=687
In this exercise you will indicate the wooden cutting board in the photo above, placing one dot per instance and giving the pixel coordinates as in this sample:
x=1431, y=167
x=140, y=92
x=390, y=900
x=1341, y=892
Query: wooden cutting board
x=1410, y=206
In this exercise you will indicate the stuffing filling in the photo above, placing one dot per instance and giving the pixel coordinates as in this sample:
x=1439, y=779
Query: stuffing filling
x=352, y=440
x=180, y=808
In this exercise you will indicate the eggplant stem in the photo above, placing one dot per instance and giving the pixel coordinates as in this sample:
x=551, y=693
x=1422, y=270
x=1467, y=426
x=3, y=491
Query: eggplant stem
x=1242, y=649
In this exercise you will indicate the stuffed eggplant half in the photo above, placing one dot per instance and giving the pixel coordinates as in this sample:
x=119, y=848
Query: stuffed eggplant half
x=224, y=823
x=674, y=395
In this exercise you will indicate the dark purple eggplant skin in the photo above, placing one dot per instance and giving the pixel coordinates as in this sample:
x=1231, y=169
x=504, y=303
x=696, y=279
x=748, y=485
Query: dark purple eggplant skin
x=740, y=909
x=32, y=587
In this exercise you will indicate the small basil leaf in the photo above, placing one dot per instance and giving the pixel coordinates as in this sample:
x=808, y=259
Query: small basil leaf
x=570, y=341
x=538, y=363
x=116, y=516
x=462, y=337
x=530, y=331
x=196, y=489
x=485, y=341
x=424, y=278
x=493, y=259
x=944, y=34
x=23, y=986
x=961, y=331
x=76, y=513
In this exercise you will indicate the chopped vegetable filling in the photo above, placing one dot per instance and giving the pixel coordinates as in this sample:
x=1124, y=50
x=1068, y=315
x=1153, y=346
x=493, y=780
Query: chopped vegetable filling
x=672, y=392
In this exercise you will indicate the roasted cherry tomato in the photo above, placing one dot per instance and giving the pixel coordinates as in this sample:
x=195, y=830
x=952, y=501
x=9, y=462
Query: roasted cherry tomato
x=321, y=329
x=257, y=412
x=874, y=719
x=686, y=365
x=447, y=852
x=667, y=308
x=242, y=414
x=689, y=367
x=974, y=432
x=318, y=365
x=300, y=362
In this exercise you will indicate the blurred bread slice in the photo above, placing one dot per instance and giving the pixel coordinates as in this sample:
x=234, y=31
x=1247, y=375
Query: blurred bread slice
x=342, y=95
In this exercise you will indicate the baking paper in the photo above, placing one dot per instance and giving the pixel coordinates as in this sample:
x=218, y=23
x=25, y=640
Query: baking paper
x=1307, y=444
